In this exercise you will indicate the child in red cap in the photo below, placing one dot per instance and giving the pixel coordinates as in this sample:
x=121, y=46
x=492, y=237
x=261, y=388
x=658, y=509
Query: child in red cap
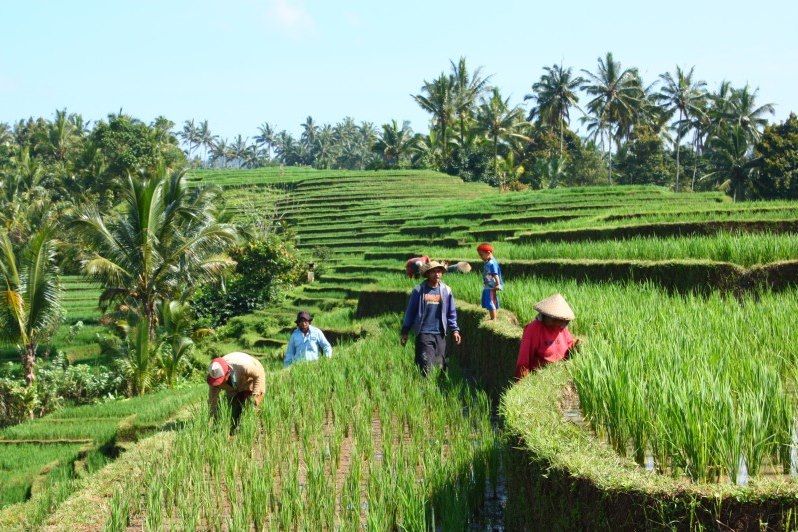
x=492, y=279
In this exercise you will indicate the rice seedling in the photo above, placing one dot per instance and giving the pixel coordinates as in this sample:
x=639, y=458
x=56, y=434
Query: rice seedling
x=328, y=454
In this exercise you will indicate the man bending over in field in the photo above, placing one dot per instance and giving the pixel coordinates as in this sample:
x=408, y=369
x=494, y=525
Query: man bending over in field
x=241, y=376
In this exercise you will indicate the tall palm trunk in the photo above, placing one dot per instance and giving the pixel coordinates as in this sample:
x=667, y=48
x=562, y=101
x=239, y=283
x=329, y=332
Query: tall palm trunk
x=28, y=362
x=678, y=143
x=609, y=157
x=496, y=161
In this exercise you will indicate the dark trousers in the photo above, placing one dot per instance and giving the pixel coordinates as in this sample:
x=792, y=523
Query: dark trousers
x=237, y=403
x=430, y=352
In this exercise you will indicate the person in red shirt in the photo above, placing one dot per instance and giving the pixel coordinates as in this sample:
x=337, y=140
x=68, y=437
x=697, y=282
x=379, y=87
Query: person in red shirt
x=546, y=338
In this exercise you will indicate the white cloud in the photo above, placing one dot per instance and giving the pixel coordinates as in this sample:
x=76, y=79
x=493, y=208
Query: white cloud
x=290, y=16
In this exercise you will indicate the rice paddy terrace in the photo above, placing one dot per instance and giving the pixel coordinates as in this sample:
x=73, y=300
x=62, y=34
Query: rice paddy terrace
x=678, y=413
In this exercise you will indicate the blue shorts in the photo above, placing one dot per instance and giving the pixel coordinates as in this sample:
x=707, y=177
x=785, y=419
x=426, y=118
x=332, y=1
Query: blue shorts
x=490, y=299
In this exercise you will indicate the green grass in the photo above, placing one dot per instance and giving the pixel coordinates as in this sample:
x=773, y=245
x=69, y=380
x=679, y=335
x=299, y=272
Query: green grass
x=420, y=452
x=21, y=463
x=742, y=249
x=644, y=372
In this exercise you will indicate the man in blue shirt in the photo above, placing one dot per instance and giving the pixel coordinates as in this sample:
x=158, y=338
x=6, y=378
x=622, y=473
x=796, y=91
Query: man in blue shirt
x=430, y=314
x=306, y=341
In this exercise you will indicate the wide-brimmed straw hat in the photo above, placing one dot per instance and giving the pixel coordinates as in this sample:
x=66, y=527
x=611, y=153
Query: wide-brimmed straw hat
x=432, y=265
x=555, y=306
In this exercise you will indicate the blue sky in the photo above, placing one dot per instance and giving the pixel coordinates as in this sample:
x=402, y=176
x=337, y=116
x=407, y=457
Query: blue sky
x=240, y=63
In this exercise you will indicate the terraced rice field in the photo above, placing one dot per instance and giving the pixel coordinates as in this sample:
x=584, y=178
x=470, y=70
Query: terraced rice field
x=648, y=356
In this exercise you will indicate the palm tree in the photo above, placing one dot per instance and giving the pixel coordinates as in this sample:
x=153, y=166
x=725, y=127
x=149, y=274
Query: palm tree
x=137, y=364
x=680, y=94
x=265, y=138
x=6, y=137
x=437, y=98
x=617, y=95
x=176, y=327
x=555, y=94
x=499, y=122
x=239, y=149
x=30, y=308
x=205, y=138
x=166, y=239
x=286, y=148
x=732, y=161
x=220, y=150
x=746, y=114
x=394, y=143
x=466, y=91
x=60, y=137
x=189, y=135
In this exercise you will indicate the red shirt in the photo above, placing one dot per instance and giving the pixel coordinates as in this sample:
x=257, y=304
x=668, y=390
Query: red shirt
x=541, y=345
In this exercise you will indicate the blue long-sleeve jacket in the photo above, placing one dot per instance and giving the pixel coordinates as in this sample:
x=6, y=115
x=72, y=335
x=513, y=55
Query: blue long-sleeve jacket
x=306, y=346
x=415, y=310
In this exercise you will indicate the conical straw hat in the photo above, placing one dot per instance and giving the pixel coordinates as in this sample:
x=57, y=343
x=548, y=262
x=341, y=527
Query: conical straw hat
x=555, y=306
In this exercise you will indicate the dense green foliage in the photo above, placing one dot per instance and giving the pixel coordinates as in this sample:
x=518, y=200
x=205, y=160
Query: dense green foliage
x=264, y=269
x=777, y=152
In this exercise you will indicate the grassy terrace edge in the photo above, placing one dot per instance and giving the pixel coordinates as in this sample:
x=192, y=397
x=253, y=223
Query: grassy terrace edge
x=563, y=478
x=688, y=275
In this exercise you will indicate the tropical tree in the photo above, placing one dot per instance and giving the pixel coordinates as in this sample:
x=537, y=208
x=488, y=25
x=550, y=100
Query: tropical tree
x=60, y=137
x=500, y=122
x=265, y=138
x=220, y=150
x=176, y=329
x=616, y=99
x=30, y=308
x=166, y=239
x=190, y=135
x=394, y=143
x=205, y=138
x=238, y=150
x=732, y=161
x=554, y=96
x=437, y=98
x=745, y=113
x=683, y=96
x=137, y=364
x=466, y=90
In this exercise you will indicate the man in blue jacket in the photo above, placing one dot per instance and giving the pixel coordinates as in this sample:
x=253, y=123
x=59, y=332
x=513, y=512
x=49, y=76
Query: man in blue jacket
x=431, y=313
x=305, y=342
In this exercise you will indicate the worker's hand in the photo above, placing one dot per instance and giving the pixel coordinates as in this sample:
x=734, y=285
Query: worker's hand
x=524, y=372
x=403, y=340
x=457, y=338
x=257, y=399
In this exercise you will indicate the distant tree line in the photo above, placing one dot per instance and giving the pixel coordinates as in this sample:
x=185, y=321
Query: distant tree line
x=109, y=200
x=673, y=132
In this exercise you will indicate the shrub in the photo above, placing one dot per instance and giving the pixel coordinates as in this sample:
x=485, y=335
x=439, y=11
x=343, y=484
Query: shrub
x=265, y=268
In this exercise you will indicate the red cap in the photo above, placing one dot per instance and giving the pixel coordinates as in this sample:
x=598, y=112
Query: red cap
x=217, y=371
x=485, y=247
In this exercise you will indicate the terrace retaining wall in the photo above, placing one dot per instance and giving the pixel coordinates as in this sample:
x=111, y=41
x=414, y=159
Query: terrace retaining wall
x=543, y=495
x=682, y=276
x=661, y=230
